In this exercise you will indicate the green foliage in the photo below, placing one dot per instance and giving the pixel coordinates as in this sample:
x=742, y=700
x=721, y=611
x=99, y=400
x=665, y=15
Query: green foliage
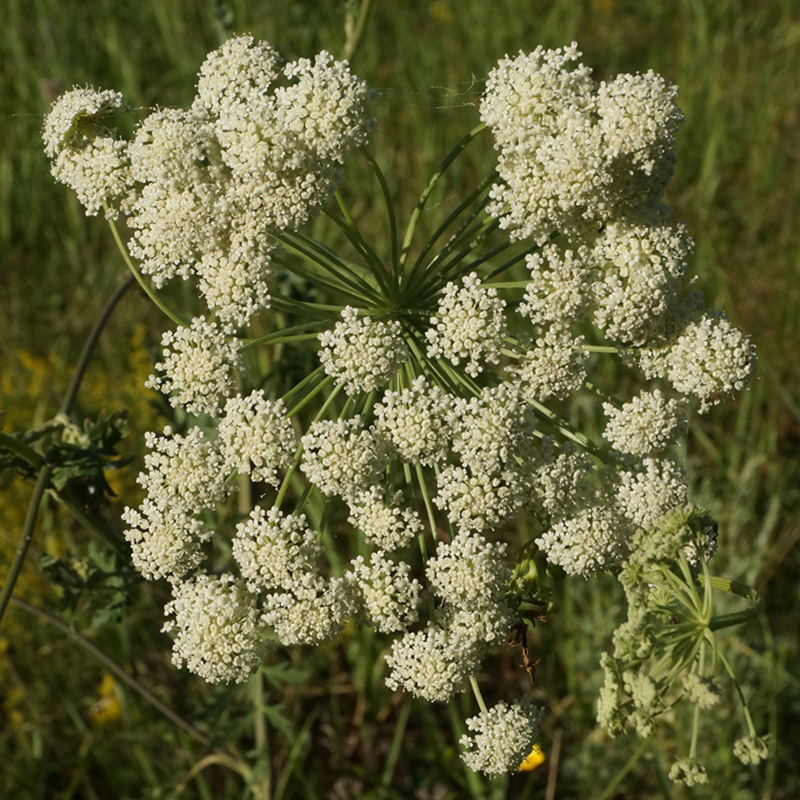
x=737, y=180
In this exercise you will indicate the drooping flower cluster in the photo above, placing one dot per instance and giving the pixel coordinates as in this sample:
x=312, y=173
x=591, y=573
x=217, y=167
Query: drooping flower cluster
x=204, y=188
x=429, y=422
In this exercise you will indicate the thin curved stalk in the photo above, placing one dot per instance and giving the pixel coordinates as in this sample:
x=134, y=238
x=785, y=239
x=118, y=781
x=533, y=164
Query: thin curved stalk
x=387, y=198
x=42, y=482
x=314, y=252
x=336, y=284
x=354, y=31
x=425, y=196
x=474, y=237
x=452, y=241
x=146, y=288
x=467, y=231
x=283, y=335
x=631, y=763
x=564, y=427
x=510, y=263
x=373, y=261
x=303, y=308
x=88, y=348
x=112, y=666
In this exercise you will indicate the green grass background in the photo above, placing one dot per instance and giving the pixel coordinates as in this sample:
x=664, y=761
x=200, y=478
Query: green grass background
x=334, y=731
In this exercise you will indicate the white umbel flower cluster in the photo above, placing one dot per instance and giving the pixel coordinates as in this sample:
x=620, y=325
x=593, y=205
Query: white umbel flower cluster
x=470, y=325
x=384, y=592
x=428, y=417
x=216, y=626
x=87, y=155
x=183, y=476
x=256, y=437
x=388, y=526
x=646, y=424
x=314, y=611
x=343, y=457
x=418, y=421
x=469, y=577
x=710, y=360
x=199, y=366
x=501, y=737
x=575, y=154
x=257, y=153
x=274, y=550
x=362, y=354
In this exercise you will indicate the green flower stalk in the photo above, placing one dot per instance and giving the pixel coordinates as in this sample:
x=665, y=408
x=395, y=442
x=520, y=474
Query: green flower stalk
x=428, y=409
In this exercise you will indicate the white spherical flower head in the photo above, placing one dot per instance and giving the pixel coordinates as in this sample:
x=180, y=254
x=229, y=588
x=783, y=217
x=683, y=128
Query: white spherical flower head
x=342, y=457
x=326, y=108
x=559, y=291
x=554, y=367
x=541, y=115
x=711, y=360
x=182, y=477
x=86, y=155
x=385, y=594
x=430, y=664
x=501, y=737
x=592, y=540
x=419, y=422
x=563, y=485
x=362, y=354
x=235, y=289
x=256, y=437
x=481, y=500
x=199, y=366
x=494, y=430
x=388, y=526
x=165, y=541
x=640, y=291
x=79, y=116
x=574, y=154
x=638, y=119
x=644, y=495
x=178, y=217
x=646, y=424
x=470, y=326
x=314, y=611
x=469, y=572
x=99, y=174
x=526, y=94
x=273, y=550
x=236, y=78
x=217, y=633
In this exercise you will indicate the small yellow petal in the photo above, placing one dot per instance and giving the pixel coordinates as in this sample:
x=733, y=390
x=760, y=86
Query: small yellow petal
x=535, y=758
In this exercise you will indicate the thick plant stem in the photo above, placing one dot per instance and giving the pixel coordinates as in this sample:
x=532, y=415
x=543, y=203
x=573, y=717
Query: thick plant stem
x=46, y=470
x=88, y=348
x=14, y=570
